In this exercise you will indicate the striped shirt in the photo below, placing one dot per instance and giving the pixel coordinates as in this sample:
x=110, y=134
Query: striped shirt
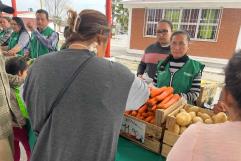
x=175, y=65
x=153, y=54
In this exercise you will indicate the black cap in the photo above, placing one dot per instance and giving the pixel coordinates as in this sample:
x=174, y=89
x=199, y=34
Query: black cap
x=6, y=8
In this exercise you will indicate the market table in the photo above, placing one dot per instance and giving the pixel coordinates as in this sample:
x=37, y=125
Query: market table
x=128, y=151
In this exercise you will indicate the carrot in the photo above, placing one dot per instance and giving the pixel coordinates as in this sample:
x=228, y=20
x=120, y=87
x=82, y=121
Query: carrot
x=151, y=101
x=163, y=95
x=154, y=108
x=157, y=91
x=128, y=112
x=174, y=99
x=149, y=118
x=164, y=101
x=150, y=113
x=142, y=108
x=133, y=113
x=138, y=115
x=152, y=121
x=144, y=114
x=141, y=117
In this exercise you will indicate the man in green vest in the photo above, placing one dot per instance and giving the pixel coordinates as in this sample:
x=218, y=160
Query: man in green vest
x=43, y=38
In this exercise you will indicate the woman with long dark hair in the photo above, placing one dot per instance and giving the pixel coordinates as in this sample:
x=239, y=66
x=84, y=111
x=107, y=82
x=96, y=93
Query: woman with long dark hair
x=19, y=39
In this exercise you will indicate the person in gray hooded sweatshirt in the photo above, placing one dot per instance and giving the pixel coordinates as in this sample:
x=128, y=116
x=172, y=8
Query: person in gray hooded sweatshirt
x=78, y=118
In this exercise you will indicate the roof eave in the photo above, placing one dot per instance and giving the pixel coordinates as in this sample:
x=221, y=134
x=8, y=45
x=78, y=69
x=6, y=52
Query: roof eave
x=181, y=4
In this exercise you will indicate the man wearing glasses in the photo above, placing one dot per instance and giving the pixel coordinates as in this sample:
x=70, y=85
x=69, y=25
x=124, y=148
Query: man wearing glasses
x=157, y=51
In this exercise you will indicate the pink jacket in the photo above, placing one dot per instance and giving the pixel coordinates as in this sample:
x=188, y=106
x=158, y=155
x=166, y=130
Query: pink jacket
x=214, y=142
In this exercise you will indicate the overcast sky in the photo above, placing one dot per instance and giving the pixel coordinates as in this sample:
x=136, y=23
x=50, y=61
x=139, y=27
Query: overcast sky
x=78, y=5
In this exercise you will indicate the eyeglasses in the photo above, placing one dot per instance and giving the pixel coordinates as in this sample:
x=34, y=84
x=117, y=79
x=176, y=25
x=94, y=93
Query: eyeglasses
x=162, y=31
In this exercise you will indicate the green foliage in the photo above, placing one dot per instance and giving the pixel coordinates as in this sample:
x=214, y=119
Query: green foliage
x=120, y=14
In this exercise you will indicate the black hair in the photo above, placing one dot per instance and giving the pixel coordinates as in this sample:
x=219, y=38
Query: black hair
x=233, y=77
x=44, y=12
x=20, y=23
x=67, y=32
x=16, y=65
x=168, y=22
x=181, y=32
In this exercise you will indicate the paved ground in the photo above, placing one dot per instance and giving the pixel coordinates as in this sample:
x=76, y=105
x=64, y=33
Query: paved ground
x=118, y=52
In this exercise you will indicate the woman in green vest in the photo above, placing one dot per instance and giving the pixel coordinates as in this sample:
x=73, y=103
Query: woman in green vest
x=19, y=39
x=178, y=70
x=6, y=31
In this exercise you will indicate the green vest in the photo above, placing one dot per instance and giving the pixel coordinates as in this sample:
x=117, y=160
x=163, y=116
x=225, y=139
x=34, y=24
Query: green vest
x=14, y=41
x=36, y=47
x=21, y=104
x=181, y=80
x=31, y=135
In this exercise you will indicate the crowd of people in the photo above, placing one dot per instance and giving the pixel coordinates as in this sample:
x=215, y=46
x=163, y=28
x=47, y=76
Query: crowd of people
x=69, y=104
x=16, y=41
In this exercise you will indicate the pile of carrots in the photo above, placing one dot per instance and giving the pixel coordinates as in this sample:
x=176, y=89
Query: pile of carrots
x=160, y=98
x=143, y=113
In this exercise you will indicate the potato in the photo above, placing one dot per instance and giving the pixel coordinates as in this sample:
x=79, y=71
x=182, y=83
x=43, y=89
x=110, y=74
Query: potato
x=197, y=119
x=204, y=116
x=220, y=117
x=183, y=119
x=182, y=129
x=176, y=129
x=192, y=114
x=208, y=121
x=199, y=114
x=183, y=110
x=193, y=109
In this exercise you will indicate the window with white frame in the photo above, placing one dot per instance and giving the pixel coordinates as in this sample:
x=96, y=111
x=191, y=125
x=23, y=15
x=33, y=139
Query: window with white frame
x=201, y=24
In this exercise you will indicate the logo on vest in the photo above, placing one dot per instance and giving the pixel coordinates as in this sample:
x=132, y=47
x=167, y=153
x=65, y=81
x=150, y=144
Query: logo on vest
x=188, y=74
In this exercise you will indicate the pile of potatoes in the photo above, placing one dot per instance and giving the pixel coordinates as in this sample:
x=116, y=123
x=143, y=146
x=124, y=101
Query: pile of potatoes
x=192, y=115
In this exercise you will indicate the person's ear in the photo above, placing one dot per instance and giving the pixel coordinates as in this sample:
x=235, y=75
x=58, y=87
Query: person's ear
x=20, y=74
x=227, y=97
x=99, y=41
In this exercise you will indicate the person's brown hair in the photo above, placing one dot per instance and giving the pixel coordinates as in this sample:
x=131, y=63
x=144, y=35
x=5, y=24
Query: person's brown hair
x=86, y=25
x=233, y=77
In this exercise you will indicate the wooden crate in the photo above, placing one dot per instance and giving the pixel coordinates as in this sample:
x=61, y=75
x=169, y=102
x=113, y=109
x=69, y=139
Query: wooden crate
x=170, y=138
x=152, y=133
x=165, y=149
x=161, y=114
x=207, y=93
x=171, y=119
